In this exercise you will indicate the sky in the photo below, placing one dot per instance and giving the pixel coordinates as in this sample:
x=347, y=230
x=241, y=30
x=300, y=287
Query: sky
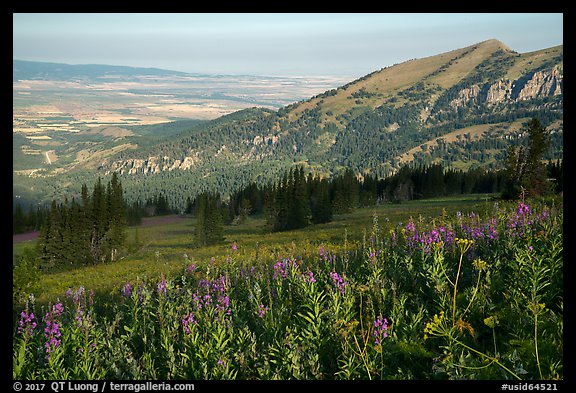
x=342, y=44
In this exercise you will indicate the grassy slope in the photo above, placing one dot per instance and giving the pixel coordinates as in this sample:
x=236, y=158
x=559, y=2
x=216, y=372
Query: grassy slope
x=164, y=246
x=387, y=82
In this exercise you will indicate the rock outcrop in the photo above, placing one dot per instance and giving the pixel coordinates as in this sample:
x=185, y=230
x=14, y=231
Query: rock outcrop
x=149, y=166
x=539, y=84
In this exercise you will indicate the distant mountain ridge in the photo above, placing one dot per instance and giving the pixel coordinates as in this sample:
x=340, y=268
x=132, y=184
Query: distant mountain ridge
x=30, y=70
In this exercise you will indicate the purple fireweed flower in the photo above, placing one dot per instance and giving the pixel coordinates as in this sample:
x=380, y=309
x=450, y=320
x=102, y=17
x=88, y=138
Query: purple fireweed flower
x=262, y=310
x=197, y=301
x=380, y=329
x=279, y=270
x=162, y=286
x=57, y=309
x=309, y=277
x=212, y=295
x=491, y=230
x=127, y=290
x=52, y=330
x=223, y=304
x=190, y=269
x=373, y=255
x=410, y=226
x=203, y=284
x=141, y=291
x=221, y=284
x=26, y=325
x=523, y=209
x=234, y=247
x=338, y=282
x=78, y=317
x=187, y=322
x=325, y=255
x=207, y=300
x=52, y=334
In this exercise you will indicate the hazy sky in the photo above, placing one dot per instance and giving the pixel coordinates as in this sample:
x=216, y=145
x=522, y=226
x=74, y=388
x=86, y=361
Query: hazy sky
x=270, y=44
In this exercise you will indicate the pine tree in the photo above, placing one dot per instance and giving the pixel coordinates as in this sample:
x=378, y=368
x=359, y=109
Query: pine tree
x=536, y=182
x=98, y=218
x=320, y=202
x=116, y=214
x=525, y=172
x=300, y=206
x=18, y=220
x=209, y=223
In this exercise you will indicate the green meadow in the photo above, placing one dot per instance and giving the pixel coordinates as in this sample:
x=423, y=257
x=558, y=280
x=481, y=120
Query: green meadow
x=165, y=249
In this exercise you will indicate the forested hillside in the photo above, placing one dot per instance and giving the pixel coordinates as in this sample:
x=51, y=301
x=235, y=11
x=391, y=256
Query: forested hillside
x=462, y=108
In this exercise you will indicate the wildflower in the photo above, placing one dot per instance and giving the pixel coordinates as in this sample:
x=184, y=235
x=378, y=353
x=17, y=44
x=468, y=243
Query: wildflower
x=338, y=282
x=523, y=209
x=162, y=286
x=57, y=309
x=188, y=321
x=207, y=300
x=26, y=325
x=309, y=277
x=234, y=247
x=52, y=334
x=127, y=290
x=78, y=317
x=223, y=305
x=190, y=269
x=464, y=244
x=279, y=270
x=52, y=329
x=480, y=265
x=197, y=301
x=373, y=256
x=262, y=310
x=491, y=322
x=433, y=327
x=410, y=226
x=380, y=329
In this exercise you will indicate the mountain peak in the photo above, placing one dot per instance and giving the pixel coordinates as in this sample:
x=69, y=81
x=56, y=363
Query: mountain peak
x=495, y=44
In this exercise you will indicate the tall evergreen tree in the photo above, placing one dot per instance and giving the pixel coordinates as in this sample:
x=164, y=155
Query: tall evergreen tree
x=209, y=222
x=300, y=207
x=536, y=179
x=525, y=172
x=18, y=220
x=116, y=235
x=320, y=202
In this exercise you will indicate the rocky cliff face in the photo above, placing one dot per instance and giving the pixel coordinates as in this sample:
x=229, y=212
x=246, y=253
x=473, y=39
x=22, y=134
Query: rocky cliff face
x=542, y=84
x=539, y=84
x=149, y=166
